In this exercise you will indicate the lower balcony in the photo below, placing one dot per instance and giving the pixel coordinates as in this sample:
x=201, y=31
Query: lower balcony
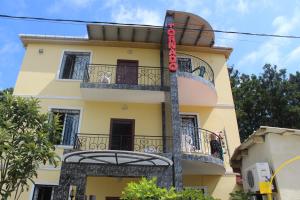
x=119, y=150
x=202, y=151
x=138, y=143
x=126, y=81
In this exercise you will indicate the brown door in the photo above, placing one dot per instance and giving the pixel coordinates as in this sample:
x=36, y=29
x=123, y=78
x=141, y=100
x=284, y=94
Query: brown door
x=112, y=198
x=121, y=134
x=127, y=72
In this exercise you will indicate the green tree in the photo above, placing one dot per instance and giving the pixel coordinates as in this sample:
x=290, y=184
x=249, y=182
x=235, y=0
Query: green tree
x=270, y=99
x=24, y=143
x=7, y=90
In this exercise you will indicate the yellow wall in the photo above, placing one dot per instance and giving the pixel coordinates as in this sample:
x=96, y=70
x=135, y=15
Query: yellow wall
x=96, y=115
x=39, y=71
x=106, y=186
x=218, y=186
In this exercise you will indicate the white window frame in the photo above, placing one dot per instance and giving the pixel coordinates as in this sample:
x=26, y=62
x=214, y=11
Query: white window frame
x=198, y=122
x=61, y=60
x=33, y=185
x=79, y=123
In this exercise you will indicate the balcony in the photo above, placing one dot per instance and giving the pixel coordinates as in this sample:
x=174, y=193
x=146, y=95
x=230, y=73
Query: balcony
x=202, y=151
x=138, y=143
x=195, y=81
x=127, y=82
x=119, y=150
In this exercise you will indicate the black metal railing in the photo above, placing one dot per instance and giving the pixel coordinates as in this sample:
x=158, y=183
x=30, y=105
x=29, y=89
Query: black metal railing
x=140, y=143
x=130, y=75
x=202, y=141
x=196, y=66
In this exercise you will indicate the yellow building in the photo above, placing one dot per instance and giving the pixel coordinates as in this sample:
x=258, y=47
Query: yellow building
x=134, y=101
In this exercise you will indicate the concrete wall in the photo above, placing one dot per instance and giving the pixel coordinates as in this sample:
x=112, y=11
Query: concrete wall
x=282, y=148
x=103, y=187
x=275, y=150
x=216, y=185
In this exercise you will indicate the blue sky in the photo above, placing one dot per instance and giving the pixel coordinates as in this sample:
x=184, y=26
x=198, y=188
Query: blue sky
x=250, y=53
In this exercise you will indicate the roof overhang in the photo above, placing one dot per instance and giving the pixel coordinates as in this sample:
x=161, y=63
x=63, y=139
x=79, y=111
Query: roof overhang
x=257, y=137
x=116, y=157
x=192, y=30
x=193, y=33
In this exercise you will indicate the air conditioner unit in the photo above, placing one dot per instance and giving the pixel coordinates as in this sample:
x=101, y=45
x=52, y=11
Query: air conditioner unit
x=253, y=175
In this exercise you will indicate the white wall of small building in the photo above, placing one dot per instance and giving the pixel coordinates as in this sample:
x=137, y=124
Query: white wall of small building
x=275, y=150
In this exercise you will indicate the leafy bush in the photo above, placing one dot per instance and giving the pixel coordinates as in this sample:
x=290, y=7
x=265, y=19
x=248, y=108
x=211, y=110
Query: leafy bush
x=192, y=194
x=240, y=195
x=147, y=189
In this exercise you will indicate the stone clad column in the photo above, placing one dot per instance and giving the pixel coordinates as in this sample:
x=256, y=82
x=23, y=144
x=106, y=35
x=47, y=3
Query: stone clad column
x=172, y=117
x=71, y=174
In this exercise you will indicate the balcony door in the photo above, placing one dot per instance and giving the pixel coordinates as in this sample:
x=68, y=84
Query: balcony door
x=122, y=134
x=190, y=132
x=127, y=72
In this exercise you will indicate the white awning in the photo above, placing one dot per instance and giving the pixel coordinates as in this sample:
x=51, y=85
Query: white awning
x=116, y=157
x=191, y=30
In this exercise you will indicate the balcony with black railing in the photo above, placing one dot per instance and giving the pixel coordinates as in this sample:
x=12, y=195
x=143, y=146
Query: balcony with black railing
x=131, y=82
x=138, y=143
x=125, y=75
x=202, y=149
x=195, y=74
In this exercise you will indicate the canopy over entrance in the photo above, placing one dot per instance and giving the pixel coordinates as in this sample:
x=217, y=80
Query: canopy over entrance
x=116, y=157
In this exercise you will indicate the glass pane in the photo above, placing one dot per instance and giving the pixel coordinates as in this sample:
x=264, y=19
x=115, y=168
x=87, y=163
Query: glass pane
x=73, y=65
x=70, y=128
x=185, y=64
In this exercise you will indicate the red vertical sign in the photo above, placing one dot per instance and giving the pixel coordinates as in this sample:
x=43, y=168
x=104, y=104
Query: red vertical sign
x=172, y=48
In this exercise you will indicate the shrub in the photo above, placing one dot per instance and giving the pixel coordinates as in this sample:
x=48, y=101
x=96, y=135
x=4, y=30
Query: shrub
x=148, y=190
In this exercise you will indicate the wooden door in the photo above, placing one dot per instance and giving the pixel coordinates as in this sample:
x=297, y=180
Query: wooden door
x=127, y=72
x=122, y=134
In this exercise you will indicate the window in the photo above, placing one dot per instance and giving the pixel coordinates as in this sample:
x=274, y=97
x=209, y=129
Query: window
x=190, y=133
x=73, y=65
x=43, y=192
x=185, y=64
x=69, y=120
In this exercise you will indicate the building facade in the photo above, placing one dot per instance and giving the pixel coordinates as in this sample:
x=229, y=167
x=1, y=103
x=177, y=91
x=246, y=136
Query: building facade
x=134, y=101
x=273, y=146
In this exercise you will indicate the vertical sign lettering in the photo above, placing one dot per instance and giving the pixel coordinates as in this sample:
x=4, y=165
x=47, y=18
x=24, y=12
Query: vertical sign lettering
x=172, y=48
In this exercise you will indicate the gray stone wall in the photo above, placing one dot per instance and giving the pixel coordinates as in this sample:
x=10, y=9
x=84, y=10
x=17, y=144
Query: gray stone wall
x=76, y=174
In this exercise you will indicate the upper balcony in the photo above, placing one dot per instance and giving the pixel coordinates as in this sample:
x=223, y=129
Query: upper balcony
x=195, y=81
x=127, y=79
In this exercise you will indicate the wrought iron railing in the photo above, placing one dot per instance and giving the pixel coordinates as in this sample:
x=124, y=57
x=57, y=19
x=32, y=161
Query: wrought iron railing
x=140, y=143
x=196, y=66
x=202, y=141
x=130, y=75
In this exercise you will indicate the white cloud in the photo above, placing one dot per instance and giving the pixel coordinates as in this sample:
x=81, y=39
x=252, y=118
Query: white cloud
x=60, y=5
x=227, y=40
x=136, y=15
x=274, y=49
x=293, y=56
x=242, y=6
